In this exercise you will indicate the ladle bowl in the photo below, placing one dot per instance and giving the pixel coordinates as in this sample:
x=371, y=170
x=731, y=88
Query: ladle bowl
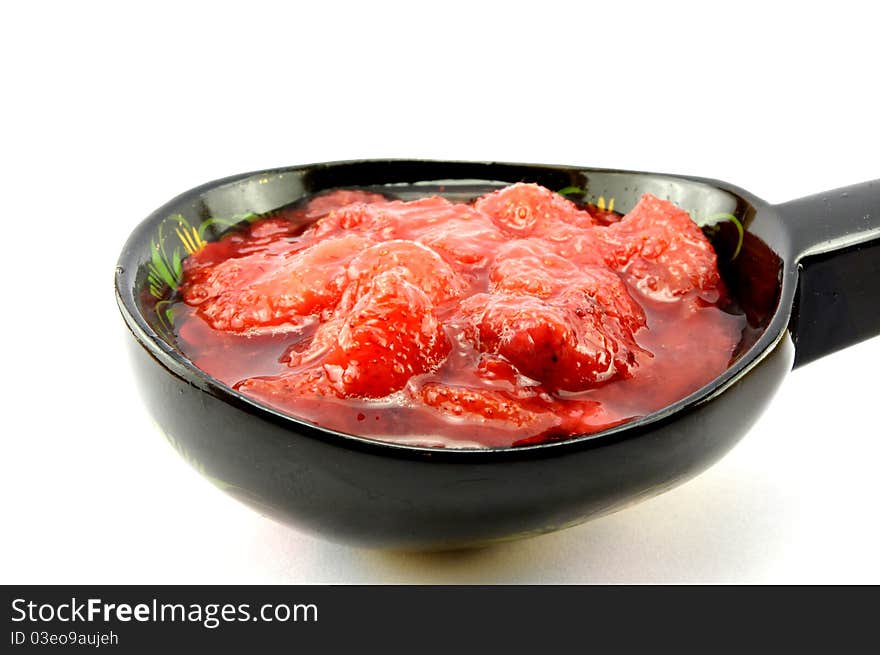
x=806, y=277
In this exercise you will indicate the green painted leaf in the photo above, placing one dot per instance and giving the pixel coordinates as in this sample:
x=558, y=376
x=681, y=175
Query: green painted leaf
x=177, y=266
x=216, y=221
x=712, y=222
x=233, y=221
x=161, y=267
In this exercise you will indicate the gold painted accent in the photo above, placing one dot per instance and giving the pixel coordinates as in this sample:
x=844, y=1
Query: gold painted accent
x=183, y=238
x=601, y=203
x=192, y=242
x=611, y=204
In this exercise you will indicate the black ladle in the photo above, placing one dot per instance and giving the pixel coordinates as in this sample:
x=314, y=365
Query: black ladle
x=806, y=276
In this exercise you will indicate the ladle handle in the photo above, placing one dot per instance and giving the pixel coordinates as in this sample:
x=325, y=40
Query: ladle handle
x=836, y=240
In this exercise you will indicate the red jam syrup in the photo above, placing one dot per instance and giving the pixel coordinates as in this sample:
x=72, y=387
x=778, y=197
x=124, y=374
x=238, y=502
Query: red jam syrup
x=515, y=319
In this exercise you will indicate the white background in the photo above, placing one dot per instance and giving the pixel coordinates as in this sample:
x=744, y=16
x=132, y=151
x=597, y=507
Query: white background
x=110, y=110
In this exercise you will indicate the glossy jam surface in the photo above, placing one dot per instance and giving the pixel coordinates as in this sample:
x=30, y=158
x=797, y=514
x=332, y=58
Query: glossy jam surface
x=514, y=319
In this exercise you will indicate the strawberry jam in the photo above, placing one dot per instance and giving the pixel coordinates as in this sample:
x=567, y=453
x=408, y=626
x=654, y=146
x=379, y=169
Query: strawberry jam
x=514, y=319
